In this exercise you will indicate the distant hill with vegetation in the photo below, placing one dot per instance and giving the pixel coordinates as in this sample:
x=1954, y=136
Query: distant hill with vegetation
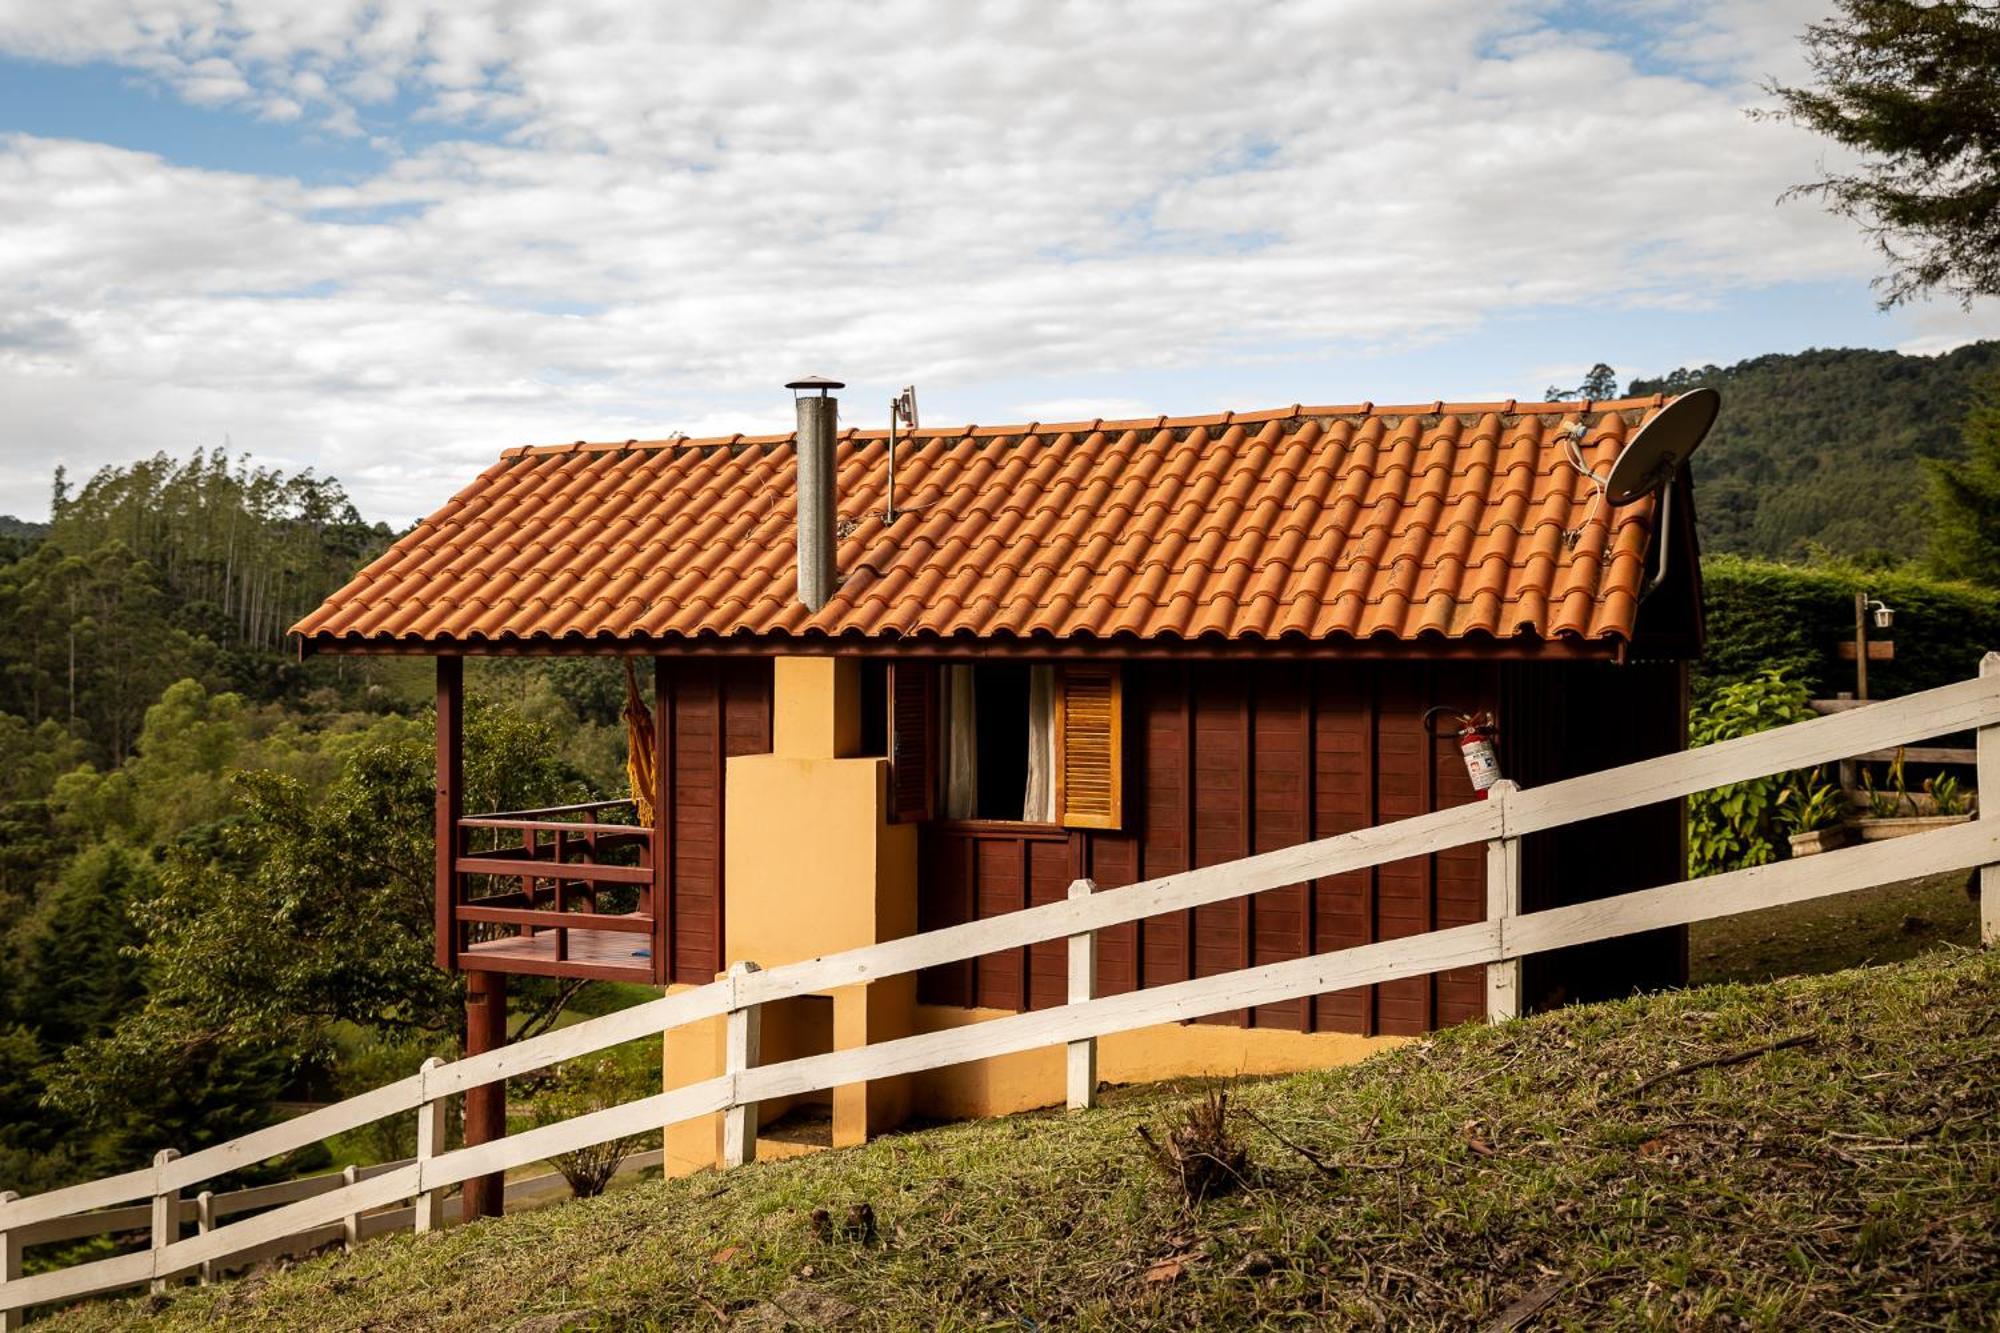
x=1822, y=448
x=21, y=531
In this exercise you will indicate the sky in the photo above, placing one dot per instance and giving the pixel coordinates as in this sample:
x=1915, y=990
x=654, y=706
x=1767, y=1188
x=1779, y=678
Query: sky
x=387, y=240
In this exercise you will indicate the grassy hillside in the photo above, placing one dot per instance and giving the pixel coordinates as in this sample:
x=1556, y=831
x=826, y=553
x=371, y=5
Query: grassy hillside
x=1581, y=1169
x=1822, y=447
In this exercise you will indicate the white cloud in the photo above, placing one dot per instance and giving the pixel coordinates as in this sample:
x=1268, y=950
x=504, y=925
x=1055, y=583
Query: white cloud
x=644, y=218
x=1940, y=327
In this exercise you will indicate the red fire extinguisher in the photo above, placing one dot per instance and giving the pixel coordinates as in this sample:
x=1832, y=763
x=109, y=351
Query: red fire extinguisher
x=1477, y=734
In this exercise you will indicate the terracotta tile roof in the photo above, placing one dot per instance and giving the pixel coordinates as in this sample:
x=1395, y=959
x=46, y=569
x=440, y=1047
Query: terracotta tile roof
x=1438, y=519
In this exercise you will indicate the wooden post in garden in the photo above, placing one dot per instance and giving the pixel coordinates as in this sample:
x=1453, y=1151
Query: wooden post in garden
x=1861, y=645
x=1082, y=1071
x=1850, y=773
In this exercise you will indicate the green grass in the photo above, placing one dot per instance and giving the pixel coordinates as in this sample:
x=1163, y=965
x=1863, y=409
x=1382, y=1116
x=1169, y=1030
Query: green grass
x=1849, y=1179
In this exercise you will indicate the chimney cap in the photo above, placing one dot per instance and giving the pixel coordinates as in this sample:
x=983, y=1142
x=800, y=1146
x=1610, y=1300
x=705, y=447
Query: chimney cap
x=820, y=382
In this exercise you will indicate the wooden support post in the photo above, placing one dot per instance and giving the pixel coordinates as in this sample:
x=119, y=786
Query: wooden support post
x=1082, y=1071
x=1988, y=779
x=1503, y=900
x=430, y=1142
x=10, y=1270
x=450, y=802
x=485, y=1107
x=660, y=846
x=743, y=1041
x=1861, y=645
x=204, y=1222
x=166, y=1216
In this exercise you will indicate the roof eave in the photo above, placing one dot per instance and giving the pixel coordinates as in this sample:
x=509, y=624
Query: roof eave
x=1118, y=647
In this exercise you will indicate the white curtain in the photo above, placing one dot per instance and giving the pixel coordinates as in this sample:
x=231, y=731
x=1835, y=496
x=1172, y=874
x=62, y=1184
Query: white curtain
x=1038, y=805
x=961, y=745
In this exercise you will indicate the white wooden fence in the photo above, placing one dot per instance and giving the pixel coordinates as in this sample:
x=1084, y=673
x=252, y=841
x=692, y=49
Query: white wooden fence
x=205, y=1210
x=1500, y=942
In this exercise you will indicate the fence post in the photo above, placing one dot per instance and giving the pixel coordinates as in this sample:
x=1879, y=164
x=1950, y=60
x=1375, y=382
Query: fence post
x=741, y=1050
x=1503, y=900
x=10, y=1270
x=166, y=1218
x=350, y=1225
x=1988, y=780
x=204, y=1222
x=1082, y=1071
x=430, y=1142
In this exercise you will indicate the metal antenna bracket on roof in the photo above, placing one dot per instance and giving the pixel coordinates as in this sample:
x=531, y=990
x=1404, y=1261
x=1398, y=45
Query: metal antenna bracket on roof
x=902, y=410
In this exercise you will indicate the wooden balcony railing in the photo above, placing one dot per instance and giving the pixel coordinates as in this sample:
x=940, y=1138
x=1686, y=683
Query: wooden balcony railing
x=562, y=891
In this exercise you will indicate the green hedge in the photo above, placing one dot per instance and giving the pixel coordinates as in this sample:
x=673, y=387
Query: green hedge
x=1793, y=618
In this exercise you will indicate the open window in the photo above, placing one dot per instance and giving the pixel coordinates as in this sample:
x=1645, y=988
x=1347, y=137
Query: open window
x=1006, y=741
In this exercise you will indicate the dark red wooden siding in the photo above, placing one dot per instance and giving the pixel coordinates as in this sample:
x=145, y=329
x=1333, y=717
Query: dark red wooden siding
x=1586, y=717
x=1226, y=760
x=716, y=708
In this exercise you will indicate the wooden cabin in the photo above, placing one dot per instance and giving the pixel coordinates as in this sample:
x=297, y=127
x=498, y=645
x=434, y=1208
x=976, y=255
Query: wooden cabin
x=1104, y=649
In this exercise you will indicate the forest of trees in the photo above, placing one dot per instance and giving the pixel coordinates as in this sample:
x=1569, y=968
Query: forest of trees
x=1823, y=450
x=163, y=569
x=215, y=858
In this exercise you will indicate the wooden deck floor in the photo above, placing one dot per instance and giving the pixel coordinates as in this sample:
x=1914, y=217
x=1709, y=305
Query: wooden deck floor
x=608, y=955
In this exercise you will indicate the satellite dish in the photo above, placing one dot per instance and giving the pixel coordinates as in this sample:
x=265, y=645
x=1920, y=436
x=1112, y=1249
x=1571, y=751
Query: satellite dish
x=1661, y=446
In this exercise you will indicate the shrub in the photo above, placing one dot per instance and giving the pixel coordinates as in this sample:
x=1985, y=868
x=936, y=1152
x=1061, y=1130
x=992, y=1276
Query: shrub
x=578, y=1088
x=369, y=1059
x=1731, y=827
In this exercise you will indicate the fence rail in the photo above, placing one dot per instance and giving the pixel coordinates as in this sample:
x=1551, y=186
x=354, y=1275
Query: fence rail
x=1500, y=941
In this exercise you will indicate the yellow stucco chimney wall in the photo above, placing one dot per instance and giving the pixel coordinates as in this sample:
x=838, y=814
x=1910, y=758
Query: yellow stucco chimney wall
x=812, y=866
x=815, y=707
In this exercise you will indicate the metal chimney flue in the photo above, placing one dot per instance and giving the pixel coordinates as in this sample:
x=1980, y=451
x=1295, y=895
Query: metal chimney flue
x=819, y=421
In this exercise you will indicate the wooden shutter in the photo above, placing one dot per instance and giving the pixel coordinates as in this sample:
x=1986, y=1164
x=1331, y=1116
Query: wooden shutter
x=912, y=740
x=1090, y=761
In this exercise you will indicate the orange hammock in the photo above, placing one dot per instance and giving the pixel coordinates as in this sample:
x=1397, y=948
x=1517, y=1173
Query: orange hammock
x=641, y=764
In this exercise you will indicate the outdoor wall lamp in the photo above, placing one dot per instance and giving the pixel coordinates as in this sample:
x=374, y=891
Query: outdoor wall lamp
x=1885, y=616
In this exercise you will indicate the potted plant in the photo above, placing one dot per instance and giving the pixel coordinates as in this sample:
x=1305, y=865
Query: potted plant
x=1897, y=814
x=1809, y=812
